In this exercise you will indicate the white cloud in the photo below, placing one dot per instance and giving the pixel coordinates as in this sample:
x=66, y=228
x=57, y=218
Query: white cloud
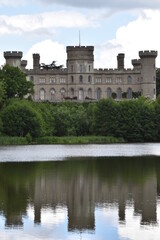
x=11, y=2
x=133, y=230
x=141, y=34
x=116, y=4
x=49, y=51
x=44, y=23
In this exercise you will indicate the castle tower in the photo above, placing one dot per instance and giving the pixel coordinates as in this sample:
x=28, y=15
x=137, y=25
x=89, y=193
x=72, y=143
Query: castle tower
x=23, y=64
x=148, y=73
x=136, y=64
x=80, y=65
x=36, y=61
x=120, y=61
x=13, y=58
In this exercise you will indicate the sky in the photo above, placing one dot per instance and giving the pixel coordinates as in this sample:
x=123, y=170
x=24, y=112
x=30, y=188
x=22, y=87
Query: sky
x=111, y=26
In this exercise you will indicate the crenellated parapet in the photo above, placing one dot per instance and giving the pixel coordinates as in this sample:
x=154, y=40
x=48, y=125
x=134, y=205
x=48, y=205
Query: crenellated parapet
x=13, y=54
x=148, y=54
x=13, y=58
x=47, y=72
x=136, y=62
x=80, y=53
x=80, y=48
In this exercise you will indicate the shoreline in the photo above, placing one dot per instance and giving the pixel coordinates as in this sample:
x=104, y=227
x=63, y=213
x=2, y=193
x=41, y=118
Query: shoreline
x=5, y=140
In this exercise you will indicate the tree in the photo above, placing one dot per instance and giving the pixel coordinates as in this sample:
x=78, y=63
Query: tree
x=2, y=93
x=1, y=126
x=19, y=118
x=15, y=82
x=158, y=81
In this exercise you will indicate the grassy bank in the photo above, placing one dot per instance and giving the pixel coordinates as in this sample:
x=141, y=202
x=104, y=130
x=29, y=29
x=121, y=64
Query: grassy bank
x=13, y=140
x=78, y=140
x=60, y=140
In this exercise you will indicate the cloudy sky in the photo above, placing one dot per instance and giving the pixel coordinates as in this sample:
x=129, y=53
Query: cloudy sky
x=48, y=26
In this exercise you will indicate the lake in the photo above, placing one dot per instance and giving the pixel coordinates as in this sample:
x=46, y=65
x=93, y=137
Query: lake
x=89, y=192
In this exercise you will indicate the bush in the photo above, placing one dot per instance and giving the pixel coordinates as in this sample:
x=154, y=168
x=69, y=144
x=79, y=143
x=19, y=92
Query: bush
x=20, y=118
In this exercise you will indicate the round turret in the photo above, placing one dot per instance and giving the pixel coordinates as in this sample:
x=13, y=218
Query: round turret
x=148, y=54
x=13, y=58
x=148, y=73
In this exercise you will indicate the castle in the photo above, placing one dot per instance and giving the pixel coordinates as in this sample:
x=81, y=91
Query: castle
x=81, y=81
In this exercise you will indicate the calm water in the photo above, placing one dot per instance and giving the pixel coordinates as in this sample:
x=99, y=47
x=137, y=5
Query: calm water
x=94, y=192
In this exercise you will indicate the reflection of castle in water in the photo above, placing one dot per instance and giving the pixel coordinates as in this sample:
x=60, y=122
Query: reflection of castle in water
x=81, y=192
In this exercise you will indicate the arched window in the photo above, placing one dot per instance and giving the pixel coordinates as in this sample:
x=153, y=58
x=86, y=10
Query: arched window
x=81, y=94
x=119, y=93
x=72, y=92
x=63, y=92
x=99, y=93
x=31, y=78
x=90, y=93
x=89, y=79
x=72, y=79
x=42, y=94
x=81, y=79
x=129, y=79
x=52, y=94
x=109, y=92
x=129, y=93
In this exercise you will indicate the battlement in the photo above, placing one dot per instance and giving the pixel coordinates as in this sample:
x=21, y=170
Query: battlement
x=136, y=62
x=143, y=54
x=36, y=55
x=13, y=54
x=80, y=48
x=24, y=63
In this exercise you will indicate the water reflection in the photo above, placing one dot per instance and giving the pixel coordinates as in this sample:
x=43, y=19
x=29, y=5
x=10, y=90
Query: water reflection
x=76, y=194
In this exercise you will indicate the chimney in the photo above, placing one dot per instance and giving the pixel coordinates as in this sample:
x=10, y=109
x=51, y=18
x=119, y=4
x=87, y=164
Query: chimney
x=120, y=61
x=36, y=60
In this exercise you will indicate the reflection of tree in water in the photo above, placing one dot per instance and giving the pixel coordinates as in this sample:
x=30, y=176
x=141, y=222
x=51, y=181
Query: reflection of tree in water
x=80, y=185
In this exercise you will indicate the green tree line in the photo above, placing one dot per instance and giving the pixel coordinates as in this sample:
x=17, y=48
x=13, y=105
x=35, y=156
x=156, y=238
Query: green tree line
x=132, y=120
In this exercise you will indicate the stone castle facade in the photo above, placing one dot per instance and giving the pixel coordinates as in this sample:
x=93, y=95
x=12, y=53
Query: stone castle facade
x=81, y=81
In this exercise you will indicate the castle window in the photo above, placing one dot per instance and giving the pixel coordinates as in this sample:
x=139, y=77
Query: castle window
x=108, y=80
x=80, y=68
x=89, y=79
x=98, y=79
x=154, y=79
x=72, y=92
x=62, y=79
x=72, y=79
x=99, y=92
x=42, y=94
x=71, y=68
x=109, y=92
x=62, y=91
x=129, y=79
x=118, y=80
x=52, y=80
x=81, y=94
x=90, y=93
x=89, y=68
x=52, y=94
x=154, y=91
x=119, y=93
x=42, y=80
x=129, y=93
x=31, y=78
x=81, y=79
